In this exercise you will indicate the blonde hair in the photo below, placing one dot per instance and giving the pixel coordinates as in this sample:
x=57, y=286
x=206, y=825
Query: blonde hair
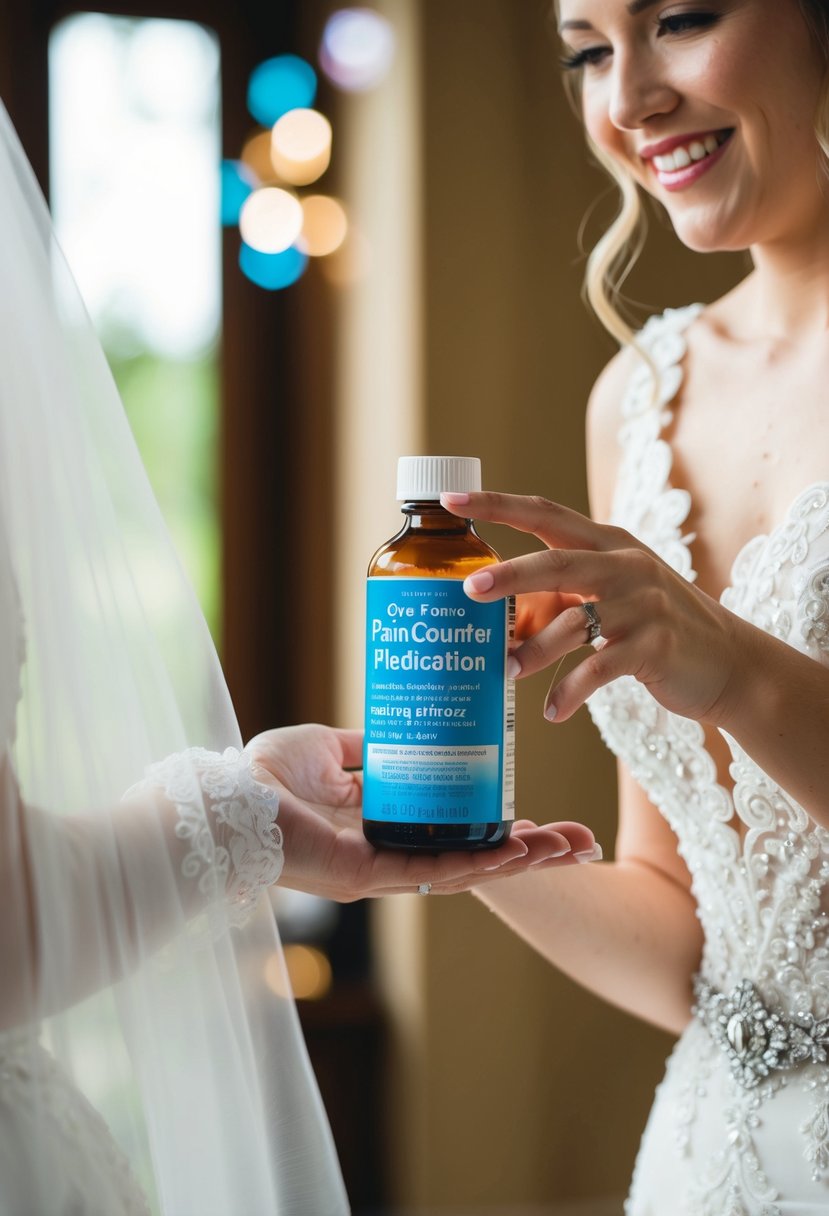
x=816, y=16
x=616, y=252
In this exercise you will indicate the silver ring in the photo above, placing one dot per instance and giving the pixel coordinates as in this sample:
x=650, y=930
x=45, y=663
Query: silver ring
x=424, y=888
x=594, y=625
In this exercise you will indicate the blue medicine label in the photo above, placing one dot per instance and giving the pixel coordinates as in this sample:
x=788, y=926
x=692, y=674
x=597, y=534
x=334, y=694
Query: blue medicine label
x=439, y=710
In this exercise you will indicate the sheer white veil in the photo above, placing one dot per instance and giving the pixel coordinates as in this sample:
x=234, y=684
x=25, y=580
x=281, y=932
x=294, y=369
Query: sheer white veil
x=117, y=952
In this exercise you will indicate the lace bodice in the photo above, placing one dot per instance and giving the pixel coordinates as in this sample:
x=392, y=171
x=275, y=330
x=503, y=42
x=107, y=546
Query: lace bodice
x=761, y=891
x=759, y=865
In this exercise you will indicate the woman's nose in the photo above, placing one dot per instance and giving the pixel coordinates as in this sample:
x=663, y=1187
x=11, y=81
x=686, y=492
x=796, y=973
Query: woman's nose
x=639, y=92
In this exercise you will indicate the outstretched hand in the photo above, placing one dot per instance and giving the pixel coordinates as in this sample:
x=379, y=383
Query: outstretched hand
x=315, y=771
x=655, y=625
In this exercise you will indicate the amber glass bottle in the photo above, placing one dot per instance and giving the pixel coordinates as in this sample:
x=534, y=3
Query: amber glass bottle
x=440, y=717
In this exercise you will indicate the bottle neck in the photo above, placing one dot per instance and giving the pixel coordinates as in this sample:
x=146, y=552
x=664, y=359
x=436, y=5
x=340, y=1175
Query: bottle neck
x=429, y=516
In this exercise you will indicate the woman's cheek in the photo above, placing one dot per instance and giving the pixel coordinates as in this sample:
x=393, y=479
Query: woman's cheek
x=599, y=127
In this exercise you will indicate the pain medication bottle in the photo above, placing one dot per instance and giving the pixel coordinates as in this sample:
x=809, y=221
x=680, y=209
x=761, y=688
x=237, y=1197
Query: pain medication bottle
x=438, y=764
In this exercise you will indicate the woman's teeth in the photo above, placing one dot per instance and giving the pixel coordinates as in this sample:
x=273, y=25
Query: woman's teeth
x=684, y=154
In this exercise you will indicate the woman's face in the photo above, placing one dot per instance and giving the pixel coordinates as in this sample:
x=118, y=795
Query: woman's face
x=710, y=104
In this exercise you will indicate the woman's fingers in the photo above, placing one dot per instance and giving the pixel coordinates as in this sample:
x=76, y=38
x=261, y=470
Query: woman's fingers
x=584, y=849
x=528, y=846
x=579, y=837
x=535, y=609
x=351, y=746
x=566, y=633
x=584, y=572
x=655, y=626
x=549, y=521
x=598, y=669
x=569, y=572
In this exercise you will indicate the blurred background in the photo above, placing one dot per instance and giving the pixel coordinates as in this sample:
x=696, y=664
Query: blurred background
x=275, y=354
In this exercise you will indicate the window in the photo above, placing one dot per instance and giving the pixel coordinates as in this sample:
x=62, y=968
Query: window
x=134, y=149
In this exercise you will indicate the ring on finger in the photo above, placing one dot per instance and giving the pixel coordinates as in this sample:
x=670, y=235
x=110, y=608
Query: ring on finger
x=424, y=888
x=594, y=624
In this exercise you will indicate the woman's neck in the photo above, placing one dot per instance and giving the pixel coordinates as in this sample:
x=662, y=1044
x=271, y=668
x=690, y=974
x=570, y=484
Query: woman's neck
x=788, y=293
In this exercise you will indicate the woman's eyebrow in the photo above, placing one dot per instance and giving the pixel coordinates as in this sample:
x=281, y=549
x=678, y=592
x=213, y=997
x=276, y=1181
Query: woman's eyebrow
x=634, y=7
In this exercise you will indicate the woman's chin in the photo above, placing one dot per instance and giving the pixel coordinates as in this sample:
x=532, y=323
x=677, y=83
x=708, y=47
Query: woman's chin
x=702, y=234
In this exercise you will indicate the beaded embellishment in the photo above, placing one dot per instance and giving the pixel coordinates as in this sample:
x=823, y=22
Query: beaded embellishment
x=759, y=864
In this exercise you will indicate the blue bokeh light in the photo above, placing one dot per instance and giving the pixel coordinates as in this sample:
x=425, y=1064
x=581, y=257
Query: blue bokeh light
x=278, y=85
x=237, y=182
x=272, y=270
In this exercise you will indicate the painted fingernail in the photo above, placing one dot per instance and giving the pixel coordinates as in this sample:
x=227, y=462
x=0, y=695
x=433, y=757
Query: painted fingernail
x=513, y=667
x=482, y=581
x=455, y=499
x=550, y=712
x=594, y=854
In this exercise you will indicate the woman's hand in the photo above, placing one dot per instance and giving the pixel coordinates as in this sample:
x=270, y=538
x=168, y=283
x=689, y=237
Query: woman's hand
x=315, y=771
x=655, y=625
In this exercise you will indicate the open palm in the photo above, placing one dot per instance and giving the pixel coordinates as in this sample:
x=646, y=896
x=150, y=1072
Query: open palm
x=316, y=772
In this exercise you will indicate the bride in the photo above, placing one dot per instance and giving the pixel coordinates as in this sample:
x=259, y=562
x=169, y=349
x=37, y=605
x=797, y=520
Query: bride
x=706, y=595
x=150, y=1052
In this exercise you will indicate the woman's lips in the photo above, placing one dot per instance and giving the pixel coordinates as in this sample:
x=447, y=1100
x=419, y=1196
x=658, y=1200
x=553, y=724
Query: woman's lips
x=680, y=179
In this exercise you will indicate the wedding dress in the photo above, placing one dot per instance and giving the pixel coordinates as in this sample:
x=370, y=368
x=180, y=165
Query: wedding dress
x=151, y=1058
x=740, y=1123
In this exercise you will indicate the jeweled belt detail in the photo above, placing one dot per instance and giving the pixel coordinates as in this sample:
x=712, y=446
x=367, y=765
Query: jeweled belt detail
x=756, y=1039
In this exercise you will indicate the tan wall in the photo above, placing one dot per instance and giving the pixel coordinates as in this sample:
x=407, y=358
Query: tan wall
x=512, y=1086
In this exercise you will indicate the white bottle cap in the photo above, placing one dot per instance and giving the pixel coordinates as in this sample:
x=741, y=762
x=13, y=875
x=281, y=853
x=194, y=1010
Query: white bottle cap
x=424, y=478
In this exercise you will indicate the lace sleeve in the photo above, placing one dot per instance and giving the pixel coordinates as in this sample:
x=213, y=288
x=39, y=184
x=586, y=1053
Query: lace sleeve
x=226, y=819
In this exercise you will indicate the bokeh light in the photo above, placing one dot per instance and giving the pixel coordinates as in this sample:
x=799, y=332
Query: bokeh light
x=301, y=146
x=270, y=219
x=273, y=271
x=256, y=154
x=278, y=85
x=357, y=49
x=324, y=225
x=237, y=183
x=309, y=973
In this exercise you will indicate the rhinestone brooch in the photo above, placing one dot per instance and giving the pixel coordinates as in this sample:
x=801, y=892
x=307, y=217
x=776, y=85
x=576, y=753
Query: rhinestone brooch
x=757, y=1040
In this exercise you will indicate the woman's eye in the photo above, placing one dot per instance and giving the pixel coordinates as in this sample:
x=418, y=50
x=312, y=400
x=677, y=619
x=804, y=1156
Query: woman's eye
x=680, y=23
x=674, y=23
x=591, y=56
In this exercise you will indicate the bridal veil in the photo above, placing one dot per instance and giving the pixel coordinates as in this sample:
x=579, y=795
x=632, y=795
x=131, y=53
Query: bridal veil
x=134, y=842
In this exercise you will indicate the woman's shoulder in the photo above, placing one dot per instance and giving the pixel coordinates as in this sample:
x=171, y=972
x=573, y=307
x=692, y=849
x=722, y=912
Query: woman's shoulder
x=604, y=418
x=656, y=339
x=661, y=341
x=604, y=404
x=625, y=387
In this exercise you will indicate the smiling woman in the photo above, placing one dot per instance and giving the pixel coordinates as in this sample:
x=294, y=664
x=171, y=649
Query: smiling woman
x=705, y=593
x=655, y=34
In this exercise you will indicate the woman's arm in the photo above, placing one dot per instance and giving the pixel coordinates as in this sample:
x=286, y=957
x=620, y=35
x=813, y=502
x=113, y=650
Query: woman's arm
x=628, y=929
x=775, y=704
x=101, y=891
x=698, y=659
x=95, y=893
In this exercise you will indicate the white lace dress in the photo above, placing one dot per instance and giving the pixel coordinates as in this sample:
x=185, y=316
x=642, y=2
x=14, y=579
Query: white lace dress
x=730, y=1135
x=57, y=1154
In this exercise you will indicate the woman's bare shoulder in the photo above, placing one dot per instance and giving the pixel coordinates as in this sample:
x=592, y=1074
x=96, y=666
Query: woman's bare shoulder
x=604, y=408
x=604, y=417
